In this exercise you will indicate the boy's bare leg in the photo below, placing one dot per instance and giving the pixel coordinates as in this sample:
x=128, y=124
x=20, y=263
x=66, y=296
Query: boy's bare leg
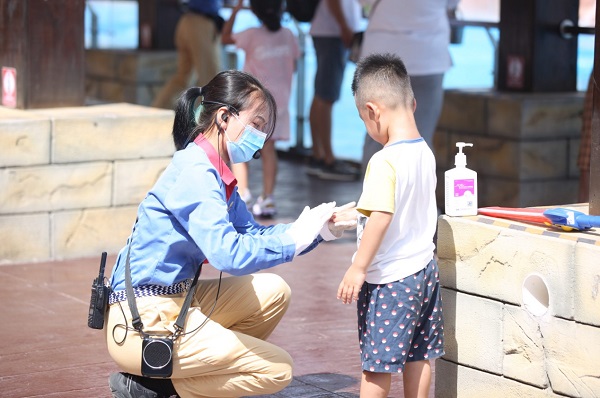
x=417, y=379
x=375, y=385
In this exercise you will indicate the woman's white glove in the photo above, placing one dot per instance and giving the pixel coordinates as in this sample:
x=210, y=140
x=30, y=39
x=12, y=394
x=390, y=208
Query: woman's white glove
x=308, y=225
x=344, y=218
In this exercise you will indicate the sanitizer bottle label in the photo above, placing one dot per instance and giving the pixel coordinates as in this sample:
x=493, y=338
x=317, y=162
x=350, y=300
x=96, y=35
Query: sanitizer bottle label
x=461, y=187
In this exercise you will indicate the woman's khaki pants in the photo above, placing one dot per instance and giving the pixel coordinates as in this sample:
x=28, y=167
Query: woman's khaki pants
x=228, y=356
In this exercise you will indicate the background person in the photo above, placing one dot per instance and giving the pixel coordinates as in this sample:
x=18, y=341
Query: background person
x=198, y=43
x=271, y=53
x=332, y=28
x=418, y=32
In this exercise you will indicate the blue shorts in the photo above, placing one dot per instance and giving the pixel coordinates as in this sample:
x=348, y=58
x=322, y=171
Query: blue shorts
x=331, y=62
x=401, y=321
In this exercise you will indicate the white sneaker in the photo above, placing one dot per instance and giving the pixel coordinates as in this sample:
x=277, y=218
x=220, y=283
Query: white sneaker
x=264, y=207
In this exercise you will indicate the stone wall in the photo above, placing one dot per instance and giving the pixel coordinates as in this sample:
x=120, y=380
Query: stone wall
x=525, y=145
x=521, y=307
x=135, y=76
x=72, y=178
x=127, y=75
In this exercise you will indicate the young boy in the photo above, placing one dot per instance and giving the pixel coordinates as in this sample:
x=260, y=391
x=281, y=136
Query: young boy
x=393, y=276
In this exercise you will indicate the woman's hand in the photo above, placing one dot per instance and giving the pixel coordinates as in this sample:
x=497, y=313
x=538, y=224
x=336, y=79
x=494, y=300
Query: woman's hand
x=306, y=228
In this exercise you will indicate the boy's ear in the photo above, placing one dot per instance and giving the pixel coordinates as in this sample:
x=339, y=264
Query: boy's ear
x=373, y=111
x=414, y=105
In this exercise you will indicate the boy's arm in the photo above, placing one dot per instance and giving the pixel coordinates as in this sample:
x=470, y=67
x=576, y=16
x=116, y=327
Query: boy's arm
x=226, y=33
x=369, y=244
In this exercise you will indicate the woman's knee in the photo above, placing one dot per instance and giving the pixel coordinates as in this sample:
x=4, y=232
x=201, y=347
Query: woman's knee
x=280, y=373
x=275, y=287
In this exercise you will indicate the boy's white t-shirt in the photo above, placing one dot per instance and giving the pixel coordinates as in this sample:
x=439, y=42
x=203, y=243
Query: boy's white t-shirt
x=401, y=179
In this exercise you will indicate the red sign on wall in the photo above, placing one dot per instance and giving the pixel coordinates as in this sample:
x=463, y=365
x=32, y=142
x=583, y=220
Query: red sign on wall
x=9, y=87
x=515, y=77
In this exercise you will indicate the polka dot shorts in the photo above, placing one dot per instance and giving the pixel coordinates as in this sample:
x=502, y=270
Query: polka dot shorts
x=401, y=321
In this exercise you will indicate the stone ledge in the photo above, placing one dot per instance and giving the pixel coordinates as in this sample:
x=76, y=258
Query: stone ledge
x=72, y=177
x=520, y=307
x=491, y=257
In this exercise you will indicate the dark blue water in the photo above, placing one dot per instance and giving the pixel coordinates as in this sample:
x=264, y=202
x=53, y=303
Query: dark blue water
x=473, y=66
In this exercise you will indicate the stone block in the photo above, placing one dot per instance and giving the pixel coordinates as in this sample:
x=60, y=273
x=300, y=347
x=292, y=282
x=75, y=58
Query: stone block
x=89, y=232
x=127, y=67
x=24, y=138
x=523, y=346
x=495, y=191
x=552, y=115
x=100, y=64
x=587, y=281
x=93, y=89
x=145, y=93
x=456, y=381
x=547, y=193
x=133, y=179
x=25, y=238
x=527, y=116
x=524, y=144
x=504, y=116
x=464, y=111
x=574, y=144
x=473, y=331
x=572, y=352
x=157, y=66
x=147, y=67
x=512, y=160
x=109, y=132
x=491, y=156
x=543, y=160
x=55, y=187
x=492, y=261
x=450, y=251
x=111, y=91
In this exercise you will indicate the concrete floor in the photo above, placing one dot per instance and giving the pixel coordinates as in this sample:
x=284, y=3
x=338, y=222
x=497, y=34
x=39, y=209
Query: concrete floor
x=47, y=350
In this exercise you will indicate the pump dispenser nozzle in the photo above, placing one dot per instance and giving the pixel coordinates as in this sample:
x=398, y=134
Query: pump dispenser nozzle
x=460, y=160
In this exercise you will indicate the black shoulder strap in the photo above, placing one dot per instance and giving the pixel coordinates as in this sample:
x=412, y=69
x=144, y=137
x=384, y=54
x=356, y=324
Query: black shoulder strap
x=135, y=315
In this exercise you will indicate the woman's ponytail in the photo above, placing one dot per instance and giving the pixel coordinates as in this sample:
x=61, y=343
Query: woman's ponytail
x=185, y=122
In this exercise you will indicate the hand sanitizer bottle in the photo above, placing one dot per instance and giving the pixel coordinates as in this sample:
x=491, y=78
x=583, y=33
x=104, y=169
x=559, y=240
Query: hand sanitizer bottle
x=461, y=186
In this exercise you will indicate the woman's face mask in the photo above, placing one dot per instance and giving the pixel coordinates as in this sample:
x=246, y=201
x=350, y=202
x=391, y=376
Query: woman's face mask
x=250, y=142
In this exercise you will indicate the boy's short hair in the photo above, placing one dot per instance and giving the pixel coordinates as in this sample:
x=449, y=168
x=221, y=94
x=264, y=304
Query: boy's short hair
x=382, y=77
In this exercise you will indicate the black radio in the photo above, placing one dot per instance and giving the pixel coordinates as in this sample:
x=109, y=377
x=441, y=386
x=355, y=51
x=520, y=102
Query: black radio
x=99, y=298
